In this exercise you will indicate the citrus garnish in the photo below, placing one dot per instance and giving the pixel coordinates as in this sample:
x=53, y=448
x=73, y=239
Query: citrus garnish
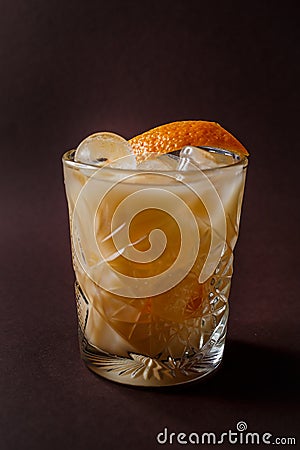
x=176, y=135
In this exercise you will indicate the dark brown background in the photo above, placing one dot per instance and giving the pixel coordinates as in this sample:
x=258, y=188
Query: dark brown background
x=71, y=68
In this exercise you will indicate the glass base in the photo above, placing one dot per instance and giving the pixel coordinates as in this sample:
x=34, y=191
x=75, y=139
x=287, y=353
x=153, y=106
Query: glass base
x=191, y=363
x=141, y=370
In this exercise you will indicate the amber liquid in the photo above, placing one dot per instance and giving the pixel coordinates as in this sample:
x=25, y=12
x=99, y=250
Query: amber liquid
x=174, y=323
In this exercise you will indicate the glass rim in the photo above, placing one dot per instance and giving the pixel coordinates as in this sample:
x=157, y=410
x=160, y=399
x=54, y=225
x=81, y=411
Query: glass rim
x=240, y=160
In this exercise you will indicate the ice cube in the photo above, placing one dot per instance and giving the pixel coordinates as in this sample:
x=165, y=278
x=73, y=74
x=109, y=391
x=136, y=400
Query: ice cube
x=161, y=163
x=105, y=148
x=197, y=157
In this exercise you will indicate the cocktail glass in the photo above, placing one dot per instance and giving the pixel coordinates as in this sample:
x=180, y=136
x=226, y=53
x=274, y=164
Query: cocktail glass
x=152, y=253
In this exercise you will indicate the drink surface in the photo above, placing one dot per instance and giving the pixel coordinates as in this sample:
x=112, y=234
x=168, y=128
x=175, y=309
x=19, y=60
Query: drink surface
x=152, y=252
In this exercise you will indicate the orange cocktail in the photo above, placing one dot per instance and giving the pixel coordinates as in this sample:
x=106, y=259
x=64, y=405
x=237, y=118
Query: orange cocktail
x=153, y=231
